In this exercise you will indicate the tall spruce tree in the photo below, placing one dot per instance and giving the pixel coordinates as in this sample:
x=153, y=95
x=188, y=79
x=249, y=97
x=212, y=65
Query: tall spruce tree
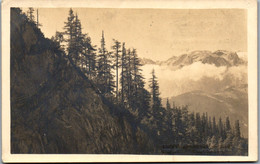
x=140, y=96
x=123, y=74
x=70, y=33
x=116, y=55
x=105, y=76
x=126, y=77
x=136, y=70
x=69, y=25
x=156, y=106
x=138, y=80
x=30, y=14
x=155, y=94
x=129, y=77
x=78, y=57
x=79, y=47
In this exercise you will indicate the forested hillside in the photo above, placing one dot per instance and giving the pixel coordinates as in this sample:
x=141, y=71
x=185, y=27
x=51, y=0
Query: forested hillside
x=70, y=96
x=55, y=108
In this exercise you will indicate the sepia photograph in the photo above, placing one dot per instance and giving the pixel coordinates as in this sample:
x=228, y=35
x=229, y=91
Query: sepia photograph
x=147, y=82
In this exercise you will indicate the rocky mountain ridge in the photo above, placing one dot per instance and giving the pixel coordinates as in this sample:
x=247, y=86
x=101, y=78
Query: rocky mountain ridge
x=218, y=58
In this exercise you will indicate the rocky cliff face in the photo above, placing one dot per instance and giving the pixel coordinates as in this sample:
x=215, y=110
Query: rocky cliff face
x=56, y=110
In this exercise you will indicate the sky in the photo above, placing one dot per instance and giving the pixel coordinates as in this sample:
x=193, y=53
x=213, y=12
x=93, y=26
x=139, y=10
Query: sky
x=157, y=34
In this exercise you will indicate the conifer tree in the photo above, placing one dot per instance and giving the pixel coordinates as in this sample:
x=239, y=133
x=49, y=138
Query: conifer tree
x=127, y=78
x=185, y=123
x=89, y=57
x=177, y=125
x=105, y=76
x=237, y=129
x=210, y=127
x=74, y=38
x=37, y=19
x=154, y=86
x=91, y=61
x=173, y=104
x=192, y=119
x=79, y=48
x=138, y=79
x=123, y=73
x=110, y=76
x=214, y=127
x=140, y=97
x=30, y=14
x=198, y=125
x=206, y=126
x=156, y=106
x=142, y=100
x=168, y=106
x=78, y=57
x=203, y=124
x=228, y=126
x=58, y=39
x=221, y=129
x=70, y=33
x=129, y=83
x=116, y=55
x=136, y=70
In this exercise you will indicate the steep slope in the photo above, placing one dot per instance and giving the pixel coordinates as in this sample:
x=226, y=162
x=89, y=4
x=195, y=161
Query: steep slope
x=232, y=102
x=54, y=109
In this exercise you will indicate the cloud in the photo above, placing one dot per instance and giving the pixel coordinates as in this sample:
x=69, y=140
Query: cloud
x=242, y=55
x=197, y=76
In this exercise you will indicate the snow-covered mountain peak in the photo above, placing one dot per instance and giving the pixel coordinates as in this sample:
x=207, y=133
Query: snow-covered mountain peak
x=218, y=58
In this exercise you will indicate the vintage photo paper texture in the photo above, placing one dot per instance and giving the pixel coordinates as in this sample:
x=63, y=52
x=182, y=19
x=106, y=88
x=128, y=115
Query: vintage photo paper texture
x=129, y=81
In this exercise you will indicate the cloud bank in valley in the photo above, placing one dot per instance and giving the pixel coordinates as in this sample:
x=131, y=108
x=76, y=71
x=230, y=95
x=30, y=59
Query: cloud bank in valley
x=197, y=76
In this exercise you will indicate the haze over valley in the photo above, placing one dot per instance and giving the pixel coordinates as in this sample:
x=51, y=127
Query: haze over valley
x=212, y=82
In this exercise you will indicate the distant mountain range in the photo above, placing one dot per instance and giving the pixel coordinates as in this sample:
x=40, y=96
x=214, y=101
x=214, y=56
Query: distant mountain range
x=230, y=100
x=218, y=58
